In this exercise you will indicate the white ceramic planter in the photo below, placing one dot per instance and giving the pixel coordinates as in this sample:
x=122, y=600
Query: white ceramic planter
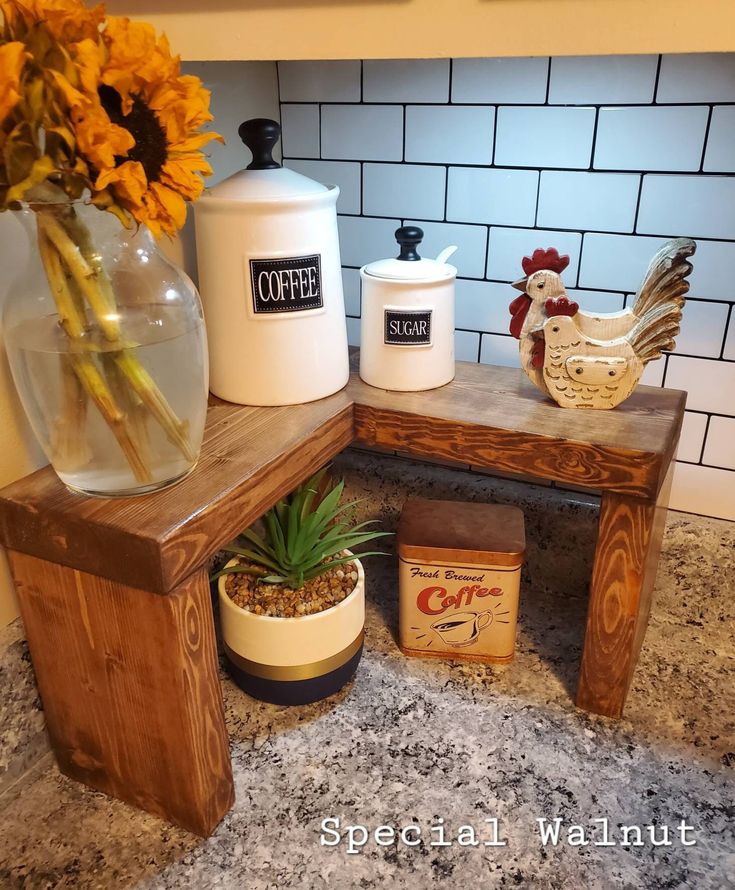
x=294, y=660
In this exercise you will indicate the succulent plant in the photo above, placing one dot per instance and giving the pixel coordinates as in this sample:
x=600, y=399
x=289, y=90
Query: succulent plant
x=303, y=536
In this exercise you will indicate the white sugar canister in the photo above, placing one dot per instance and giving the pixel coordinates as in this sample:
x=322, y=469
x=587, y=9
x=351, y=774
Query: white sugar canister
x=407, y=325
x=271, y=281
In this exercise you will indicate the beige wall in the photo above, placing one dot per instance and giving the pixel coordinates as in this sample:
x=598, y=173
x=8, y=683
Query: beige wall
x=399, y=29
x=245, y=89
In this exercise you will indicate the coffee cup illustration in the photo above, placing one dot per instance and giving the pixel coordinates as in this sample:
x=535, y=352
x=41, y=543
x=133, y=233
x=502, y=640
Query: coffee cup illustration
x=462, y=628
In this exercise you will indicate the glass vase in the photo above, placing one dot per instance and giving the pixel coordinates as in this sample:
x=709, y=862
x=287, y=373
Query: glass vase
x=106, y=342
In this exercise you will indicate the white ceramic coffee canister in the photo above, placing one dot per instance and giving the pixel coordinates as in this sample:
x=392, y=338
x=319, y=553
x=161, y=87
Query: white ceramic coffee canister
x=407, y=326
x=271, y=281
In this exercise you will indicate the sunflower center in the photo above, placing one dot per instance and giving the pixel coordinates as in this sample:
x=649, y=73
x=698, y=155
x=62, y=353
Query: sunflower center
x=143, y=125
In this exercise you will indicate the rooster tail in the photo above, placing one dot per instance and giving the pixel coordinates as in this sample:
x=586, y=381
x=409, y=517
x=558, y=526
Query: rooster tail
x=656, y=331
x=665, y=280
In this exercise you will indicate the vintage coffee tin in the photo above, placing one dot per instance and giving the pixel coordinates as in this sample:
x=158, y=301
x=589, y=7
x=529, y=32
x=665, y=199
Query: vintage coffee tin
x=459, y=579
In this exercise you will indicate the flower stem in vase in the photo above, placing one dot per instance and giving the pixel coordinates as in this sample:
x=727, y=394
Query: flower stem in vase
x=123, y=395
x=73, y=320
x=68, y=442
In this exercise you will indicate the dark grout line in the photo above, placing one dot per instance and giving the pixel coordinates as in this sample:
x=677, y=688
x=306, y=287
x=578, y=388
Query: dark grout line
x=657, y=78
x=706, y=139
x=730, y=320
x=638, y=203
x=704, y=438
x=725, y=174
x=528, y=105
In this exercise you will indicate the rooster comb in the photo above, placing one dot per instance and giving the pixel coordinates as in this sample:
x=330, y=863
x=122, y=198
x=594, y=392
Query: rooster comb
x=545, y=259
x=561, y=306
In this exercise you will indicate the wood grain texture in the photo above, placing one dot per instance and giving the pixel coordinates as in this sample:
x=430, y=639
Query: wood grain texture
x=250, y=458
x=130, y=689
x=621, y=592
x=489, y=417
x=492, y=417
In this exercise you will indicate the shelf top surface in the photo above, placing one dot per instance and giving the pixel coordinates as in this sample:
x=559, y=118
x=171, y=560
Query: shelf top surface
x=253, y=456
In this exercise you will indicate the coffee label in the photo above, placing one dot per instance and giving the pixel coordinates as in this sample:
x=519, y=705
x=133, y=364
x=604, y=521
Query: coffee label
x=458, y=610
x=290, y=284
x=407, y=327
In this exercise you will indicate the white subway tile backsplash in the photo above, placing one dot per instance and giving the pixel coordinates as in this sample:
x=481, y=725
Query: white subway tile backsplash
x=519, y=80
x=528, y=153
x=505, y=197
x=692, y=437
x=618, y=262
x=593, y=80
x=599, y=201
x=702, y=328
x=471, y=244
x=300, y=130
x=326, y=81
x=449, y=134
x=653, y=374
x=498, y=350
x=713, y=264
x=597, y=300
x=364, y=239
x=697, y=206
x=720, y=448
x=710, y=384
x=405, y=80
x=362, y=132
x=466, y=346
x=650, y=138
x=345, y=175
x=483, y=305
x=351, y=288
x=544, y=137
x=507, y=248
x=404, y=190
x=720, y=154
x=697, y=77
x=703, y=490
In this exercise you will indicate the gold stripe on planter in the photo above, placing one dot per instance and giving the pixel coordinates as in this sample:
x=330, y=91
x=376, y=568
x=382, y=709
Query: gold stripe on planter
x=296, y=671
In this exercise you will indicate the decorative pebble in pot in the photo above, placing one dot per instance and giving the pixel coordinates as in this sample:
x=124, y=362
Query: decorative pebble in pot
x=292, y=600
x=407, y=327
x=270, y=277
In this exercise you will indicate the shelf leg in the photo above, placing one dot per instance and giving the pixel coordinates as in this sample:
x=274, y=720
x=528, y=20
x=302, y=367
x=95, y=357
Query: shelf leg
x=623, y=575
x=130, y=689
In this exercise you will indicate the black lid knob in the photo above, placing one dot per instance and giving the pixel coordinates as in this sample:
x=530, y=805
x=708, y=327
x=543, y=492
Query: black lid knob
x=260, y=134
x=408, y=237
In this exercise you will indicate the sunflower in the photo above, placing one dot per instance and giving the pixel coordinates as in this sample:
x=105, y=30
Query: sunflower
x=144, y=93
x=134, y=120
x=12, y=60
x=68, y=21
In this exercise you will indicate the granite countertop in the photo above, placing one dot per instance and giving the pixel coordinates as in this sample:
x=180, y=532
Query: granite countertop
x=413, y=741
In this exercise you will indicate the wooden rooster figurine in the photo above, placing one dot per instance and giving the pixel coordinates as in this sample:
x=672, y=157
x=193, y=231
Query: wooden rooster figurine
x=582, y=372
x=633, y=336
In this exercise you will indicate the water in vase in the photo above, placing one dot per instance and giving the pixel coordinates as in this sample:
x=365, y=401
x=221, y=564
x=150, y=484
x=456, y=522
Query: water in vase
x=119, y=445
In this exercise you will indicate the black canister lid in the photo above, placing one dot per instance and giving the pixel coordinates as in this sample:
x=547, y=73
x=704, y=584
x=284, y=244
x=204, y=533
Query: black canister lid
x=409, y=237
x=261, y=134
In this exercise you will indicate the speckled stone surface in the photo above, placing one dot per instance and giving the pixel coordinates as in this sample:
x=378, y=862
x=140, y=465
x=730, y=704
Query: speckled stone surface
x=22, y=734
x=413, y=740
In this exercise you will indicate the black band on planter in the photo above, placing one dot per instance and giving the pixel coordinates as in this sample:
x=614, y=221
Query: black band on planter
x=297, y=691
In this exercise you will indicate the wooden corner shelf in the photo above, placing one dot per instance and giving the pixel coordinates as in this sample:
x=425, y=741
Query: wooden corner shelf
x=114, y=593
